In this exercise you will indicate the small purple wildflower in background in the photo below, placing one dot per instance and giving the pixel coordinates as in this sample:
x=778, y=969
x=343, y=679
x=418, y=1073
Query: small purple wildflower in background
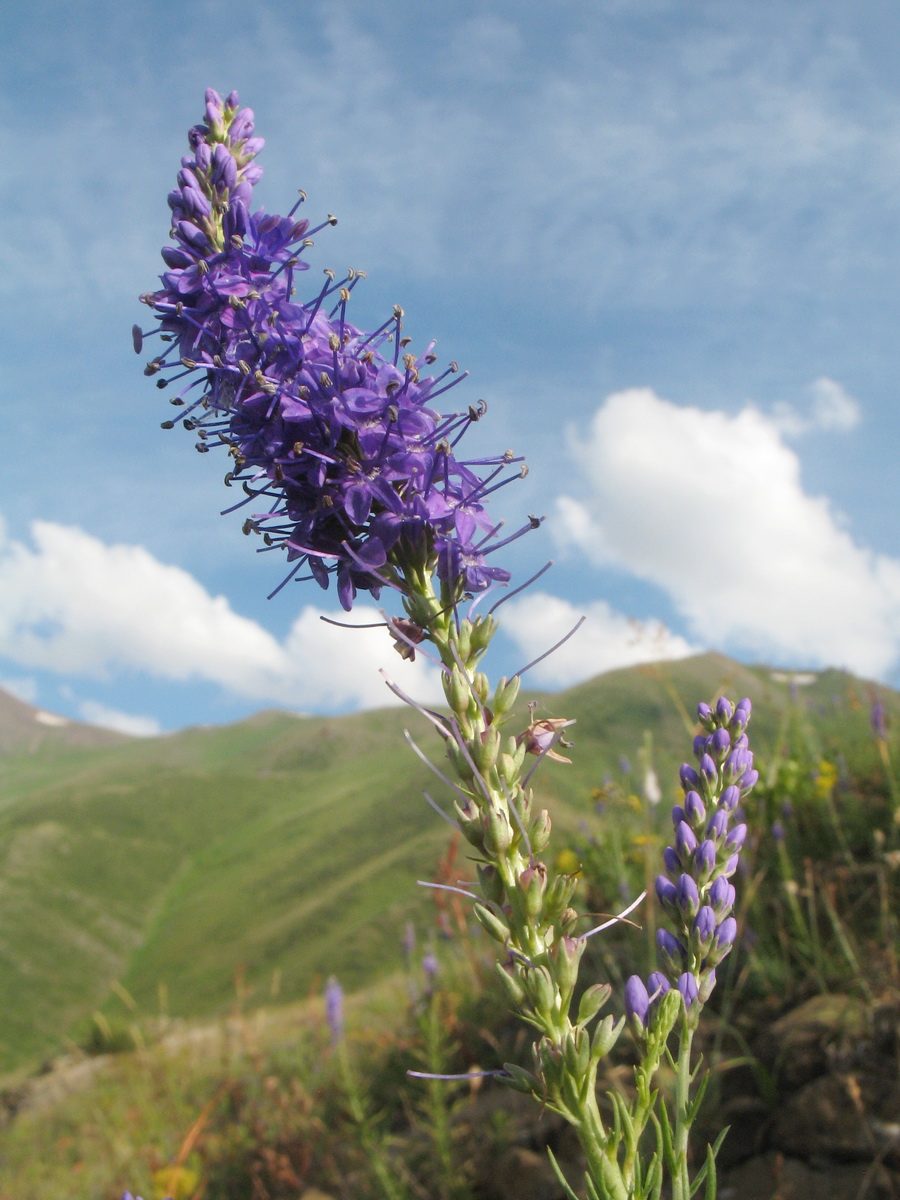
x=879, y=722
x=333, y=438
x=431, y=968
x=695, y=892
x=334, y=1009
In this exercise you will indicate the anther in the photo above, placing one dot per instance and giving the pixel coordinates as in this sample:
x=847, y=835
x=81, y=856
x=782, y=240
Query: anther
x=398, y=312
x=508, y=455
x=167, y=425
x=328, y=271
x=405, y=341
x=344, y=294
x=325, y=379
x=331, y=219
x=524, y=471
x=454, y=367
x=334, y=342
x=244, y=366
x=161, y=383
x=189, y=363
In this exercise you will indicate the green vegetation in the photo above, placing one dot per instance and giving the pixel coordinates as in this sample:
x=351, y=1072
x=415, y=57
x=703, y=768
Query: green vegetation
x=222, y=874
x=281, y=849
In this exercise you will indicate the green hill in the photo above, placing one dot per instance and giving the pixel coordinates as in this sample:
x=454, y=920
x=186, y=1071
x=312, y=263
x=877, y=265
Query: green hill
x=282, y=849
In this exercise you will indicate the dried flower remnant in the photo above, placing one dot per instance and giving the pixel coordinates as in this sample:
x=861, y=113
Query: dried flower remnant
x=348, y=467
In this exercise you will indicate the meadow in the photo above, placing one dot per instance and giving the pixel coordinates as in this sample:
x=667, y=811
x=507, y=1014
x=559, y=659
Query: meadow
x=172, y=909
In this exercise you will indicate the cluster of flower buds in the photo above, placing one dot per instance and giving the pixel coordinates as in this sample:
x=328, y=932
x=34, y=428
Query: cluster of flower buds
x=695, y=891
x=330, y=427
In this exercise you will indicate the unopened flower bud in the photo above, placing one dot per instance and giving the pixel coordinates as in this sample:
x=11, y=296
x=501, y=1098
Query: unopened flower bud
x=687, y=896
x=689, y=988
x=637, y=1004
x=721, y=896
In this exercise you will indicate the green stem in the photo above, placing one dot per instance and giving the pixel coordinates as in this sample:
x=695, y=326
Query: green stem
x=681, y=1181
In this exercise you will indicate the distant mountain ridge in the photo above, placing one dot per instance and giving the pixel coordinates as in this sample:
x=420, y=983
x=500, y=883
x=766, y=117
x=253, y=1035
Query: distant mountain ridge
x=26, y=729
x=284, y=849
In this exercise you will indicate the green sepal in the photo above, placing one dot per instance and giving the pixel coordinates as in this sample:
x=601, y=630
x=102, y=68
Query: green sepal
x=493, y=922
x=512, y=985
x=521, y=1080
x=592, y=1001
x=605, y=1036
x=505, y=695
x=540, y=986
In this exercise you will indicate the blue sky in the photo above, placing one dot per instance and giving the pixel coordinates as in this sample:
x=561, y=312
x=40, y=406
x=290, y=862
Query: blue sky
x=663, y=238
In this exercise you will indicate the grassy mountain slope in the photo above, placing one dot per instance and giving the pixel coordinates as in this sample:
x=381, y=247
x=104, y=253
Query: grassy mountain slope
x=285, y=848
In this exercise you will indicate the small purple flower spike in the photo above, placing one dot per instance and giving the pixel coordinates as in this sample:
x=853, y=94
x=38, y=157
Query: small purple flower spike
x=334, y=1008
x=695, y=893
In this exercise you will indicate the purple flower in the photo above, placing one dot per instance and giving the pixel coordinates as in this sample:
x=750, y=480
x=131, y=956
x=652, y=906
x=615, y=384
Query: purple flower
x=879, y=723
x=695, y=893
x=637, y=1001
x=334, y=1008
x=334, y=438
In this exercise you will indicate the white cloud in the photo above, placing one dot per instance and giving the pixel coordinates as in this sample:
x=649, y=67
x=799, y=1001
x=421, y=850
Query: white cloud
x=77, y=606
x=606, y=640
x=831, y=409
x=110, y=718
x=23, y=687
x=711, y=507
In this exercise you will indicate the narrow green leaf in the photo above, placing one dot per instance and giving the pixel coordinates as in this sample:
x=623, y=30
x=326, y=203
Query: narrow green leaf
x=564, y=1183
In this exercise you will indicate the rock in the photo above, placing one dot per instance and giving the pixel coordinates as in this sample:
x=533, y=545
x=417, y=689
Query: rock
x=772, y=1175
x=805, y=1042
x=526, y=1175
x=841, y=1116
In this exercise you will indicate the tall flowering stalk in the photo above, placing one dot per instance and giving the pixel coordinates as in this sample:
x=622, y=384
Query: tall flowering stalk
x=350, y=470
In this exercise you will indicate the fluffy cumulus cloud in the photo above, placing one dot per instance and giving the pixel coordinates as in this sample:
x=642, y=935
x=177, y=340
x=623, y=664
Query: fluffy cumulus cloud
x=74, y=605
x=111, y=718
x=711, y=507
x=606, y=640
x=831, y=409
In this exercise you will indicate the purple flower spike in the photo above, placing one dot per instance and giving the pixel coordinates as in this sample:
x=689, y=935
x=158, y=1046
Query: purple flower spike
x=700, y=902
x=334, y=1009
x=332, y=430
x=637, y=1001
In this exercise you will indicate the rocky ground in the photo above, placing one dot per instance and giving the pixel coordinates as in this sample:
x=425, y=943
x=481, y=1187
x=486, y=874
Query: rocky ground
x=815, y=1114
